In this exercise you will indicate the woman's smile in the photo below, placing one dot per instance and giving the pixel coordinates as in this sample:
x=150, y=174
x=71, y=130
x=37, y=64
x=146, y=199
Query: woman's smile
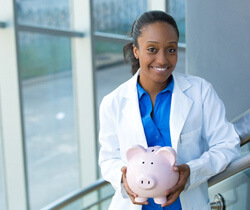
x=160, y=69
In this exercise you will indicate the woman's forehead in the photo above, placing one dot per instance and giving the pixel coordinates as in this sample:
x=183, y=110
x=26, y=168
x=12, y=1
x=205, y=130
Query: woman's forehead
x=158, y=30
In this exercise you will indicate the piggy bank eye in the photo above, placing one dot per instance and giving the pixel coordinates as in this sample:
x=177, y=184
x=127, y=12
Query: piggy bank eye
x=152, y=150
x=152, y=163
x=143, y=162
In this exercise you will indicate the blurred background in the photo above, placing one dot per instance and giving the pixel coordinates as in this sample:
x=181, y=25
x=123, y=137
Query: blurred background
x=59, y=58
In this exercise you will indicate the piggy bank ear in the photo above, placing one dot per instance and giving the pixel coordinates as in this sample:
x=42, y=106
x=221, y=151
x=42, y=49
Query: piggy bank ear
x=135, y=150
x=168, y=153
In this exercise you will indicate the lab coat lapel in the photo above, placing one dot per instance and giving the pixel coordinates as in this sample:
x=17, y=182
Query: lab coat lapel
x=132, y=112
x=180, y=108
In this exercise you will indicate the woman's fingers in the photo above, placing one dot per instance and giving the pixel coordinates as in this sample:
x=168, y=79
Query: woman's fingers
x=125, y=183
x=171, y=198
x=124, y=170
x=173, y=193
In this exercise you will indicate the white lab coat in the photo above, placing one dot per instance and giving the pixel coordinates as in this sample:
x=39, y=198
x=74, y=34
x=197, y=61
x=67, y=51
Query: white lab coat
x=200, y=134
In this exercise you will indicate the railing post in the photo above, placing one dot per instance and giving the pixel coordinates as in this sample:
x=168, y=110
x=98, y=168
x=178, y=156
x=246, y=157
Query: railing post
x=83, y=76
x=10, y=112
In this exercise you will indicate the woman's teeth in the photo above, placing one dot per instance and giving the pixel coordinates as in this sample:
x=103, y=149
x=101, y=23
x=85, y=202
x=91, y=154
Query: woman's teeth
x=160, y=69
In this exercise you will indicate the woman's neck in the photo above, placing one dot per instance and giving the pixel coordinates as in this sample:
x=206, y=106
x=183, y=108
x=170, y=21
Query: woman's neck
x=153, y=88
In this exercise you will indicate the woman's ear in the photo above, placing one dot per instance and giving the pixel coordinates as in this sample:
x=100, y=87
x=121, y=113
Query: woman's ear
x=136, y=52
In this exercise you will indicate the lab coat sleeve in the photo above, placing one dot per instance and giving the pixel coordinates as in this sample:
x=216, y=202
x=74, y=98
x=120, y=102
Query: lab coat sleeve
x=109, y=156
x=222, y=140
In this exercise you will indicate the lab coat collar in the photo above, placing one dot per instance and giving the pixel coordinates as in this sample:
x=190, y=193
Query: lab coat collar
x=132, y=111
x=132, y=88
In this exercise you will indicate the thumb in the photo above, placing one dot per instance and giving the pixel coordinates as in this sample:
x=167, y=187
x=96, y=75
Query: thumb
x=176, y=168
x=124, y=170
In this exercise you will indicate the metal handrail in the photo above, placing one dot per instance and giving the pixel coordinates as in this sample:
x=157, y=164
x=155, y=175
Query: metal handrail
x=71, y=197
x=236, y=166
x=233, y=168
x=244, y=141
x=99, y=201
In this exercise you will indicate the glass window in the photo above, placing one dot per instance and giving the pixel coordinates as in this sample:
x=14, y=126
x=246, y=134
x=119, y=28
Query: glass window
x=48, y=117
x=52, y=13
x=111, y=71
x=116, y=17
x=177, y=10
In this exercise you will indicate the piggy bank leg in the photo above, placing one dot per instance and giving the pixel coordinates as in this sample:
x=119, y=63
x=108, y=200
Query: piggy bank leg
x=160, y=200
x=140, y=199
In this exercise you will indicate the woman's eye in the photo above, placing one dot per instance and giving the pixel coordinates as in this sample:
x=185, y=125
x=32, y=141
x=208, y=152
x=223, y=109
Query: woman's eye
x=172, y=50
x=151, y=49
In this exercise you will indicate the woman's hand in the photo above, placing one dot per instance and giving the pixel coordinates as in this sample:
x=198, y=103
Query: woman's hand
x=130, y=193
x=173, y=193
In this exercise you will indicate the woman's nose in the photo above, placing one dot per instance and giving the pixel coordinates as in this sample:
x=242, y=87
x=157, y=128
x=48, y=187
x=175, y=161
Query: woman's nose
x=162, y=58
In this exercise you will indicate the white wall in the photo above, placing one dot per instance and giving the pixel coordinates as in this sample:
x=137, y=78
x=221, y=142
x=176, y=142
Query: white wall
x=218, y=49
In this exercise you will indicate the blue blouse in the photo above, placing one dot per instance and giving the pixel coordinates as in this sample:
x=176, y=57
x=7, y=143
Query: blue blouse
x=157, y=129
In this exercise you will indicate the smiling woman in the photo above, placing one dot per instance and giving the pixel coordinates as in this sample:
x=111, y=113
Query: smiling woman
x=164, y=106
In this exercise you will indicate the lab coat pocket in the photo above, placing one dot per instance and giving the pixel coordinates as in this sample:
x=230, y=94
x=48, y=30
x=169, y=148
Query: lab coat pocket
x=191, y=134
x=190, y=146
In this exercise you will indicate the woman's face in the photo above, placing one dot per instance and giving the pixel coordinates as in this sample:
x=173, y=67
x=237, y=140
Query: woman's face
x=157, y=53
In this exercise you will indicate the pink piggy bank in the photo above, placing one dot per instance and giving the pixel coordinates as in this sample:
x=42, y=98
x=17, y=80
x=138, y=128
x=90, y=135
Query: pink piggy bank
x=150, y=172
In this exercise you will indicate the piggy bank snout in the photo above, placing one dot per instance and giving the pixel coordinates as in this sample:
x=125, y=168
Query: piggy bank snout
x=146, y=182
